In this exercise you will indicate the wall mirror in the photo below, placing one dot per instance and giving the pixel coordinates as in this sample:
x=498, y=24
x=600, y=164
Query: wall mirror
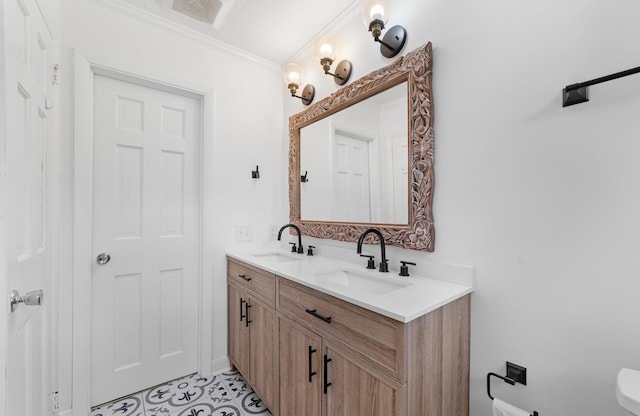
x=363, y=157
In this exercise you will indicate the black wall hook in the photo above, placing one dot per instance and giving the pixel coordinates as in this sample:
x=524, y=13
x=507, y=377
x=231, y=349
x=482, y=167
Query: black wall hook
x=303, y=178
x=255, y=174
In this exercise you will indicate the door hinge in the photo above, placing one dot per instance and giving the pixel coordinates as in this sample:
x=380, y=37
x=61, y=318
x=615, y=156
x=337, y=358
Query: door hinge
x=54, y=402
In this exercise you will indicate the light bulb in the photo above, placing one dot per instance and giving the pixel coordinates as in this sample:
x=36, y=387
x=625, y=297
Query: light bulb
x=326, y=47
x=326, y=50
x=376, y=12
x=294, y=78
x=292, y=74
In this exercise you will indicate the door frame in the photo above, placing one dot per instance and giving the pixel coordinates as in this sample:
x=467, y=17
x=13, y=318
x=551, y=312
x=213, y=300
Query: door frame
x=86, y=67
x=4, y=292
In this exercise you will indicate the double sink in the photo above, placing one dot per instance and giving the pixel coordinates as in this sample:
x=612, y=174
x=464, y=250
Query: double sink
x=342, y=278
x=397, y=297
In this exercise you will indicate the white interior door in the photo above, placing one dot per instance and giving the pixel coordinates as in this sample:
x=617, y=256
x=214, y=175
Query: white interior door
x=27, y=251
x=146, y=218
x=400, y=152
x=351, y=182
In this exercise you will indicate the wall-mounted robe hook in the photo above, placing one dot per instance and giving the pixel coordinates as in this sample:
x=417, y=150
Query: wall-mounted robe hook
x=303, y=178
x=255, y=174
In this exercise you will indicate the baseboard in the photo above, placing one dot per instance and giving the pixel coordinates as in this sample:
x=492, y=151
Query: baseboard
x=66, y=412
x=220, y=365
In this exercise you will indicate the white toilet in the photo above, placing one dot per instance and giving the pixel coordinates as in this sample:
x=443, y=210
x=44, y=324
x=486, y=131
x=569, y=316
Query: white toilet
x=628, y=390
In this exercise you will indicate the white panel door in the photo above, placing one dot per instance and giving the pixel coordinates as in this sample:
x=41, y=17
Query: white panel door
x=27, y=252
x=351, y=182
x=400, y=151
x=146, y=218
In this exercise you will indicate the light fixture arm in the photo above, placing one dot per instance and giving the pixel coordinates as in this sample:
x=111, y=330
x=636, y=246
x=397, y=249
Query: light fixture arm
x=343, y=70
x=334, y=75
x=392, y=42
x=326, y=66
x=308, y=93
x=383, y=43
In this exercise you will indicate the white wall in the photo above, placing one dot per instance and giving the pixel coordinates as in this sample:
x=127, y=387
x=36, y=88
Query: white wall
x=247, y=132
x=542, y=200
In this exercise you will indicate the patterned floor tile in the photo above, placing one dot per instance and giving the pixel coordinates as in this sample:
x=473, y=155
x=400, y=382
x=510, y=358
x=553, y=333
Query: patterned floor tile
x=226, y=394
x=251, y=404
x=236, y=385
x=243, y=394
x=184, y=393
x=209, y=409
x=129, y=406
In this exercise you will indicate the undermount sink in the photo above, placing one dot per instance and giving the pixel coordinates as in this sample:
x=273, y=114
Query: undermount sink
x=279, y=257
x=360, y=282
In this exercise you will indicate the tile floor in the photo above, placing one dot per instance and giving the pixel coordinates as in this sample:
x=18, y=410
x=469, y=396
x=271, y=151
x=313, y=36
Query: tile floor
x=225, y=394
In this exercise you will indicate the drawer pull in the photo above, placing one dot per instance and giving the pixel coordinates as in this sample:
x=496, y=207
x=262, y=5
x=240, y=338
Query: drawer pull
x=242, y=315
x=311, y=372
x=244, y=277
x=326, y=375
x=315, y=313
x=246, y=308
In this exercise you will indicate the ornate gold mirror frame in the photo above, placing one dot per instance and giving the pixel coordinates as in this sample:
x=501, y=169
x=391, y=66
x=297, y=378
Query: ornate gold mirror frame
x=416, y=69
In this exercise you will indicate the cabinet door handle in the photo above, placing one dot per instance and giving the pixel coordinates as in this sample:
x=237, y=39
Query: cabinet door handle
x=248, y=321
x=315, y=313
x=244, y=277
x=242, y=315
x=311, y=372
x=326, y=375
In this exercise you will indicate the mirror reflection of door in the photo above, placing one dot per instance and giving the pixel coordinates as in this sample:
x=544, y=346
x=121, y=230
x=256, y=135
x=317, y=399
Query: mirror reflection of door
x=372, y=136
x=351, y=180
x=400, y=169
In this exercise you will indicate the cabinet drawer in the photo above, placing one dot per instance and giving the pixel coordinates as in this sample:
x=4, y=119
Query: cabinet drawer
x=376, y=339
x=260, y=283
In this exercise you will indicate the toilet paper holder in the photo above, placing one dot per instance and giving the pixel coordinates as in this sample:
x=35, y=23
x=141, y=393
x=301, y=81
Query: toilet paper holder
x=515, y=374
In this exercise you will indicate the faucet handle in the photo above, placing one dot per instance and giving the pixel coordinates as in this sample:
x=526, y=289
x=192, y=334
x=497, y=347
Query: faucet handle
x=371, y=264
x=384, y=266
x=294, y=249
x=310, y=250
x=404, y=269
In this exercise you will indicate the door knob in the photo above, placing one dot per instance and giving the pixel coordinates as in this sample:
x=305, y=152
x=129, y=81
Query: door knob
x=33, y=298
x=103, y=258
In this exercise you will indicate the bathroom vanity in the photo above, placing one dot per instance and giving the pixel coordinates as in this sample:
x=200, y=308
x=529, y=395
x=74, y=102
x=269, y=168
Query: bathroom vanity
x=317, y=336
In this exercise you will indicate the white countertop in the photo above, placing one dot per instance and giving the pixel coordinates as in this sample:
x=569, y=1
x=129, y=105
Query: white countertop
x=406, y=298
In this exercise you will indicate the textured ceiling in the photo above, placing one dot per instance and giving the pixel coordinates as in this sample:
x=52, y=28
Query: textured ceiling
x=271, y=29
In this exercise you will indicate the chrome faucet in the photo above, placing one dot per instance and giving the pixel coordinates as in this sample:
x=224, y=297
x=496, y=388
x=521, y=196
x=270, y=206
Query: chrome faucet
x=384, y=265
x=300, y=249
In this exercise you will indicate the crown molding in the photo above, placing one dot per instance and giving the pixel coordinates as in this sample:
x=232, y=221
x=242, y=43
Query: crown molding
x=160, y=21
x=335, y=22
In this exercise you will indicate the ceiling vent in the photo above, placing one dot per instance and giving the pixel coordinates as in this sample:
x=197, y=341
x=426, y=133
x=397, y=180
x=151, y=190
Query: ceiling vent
x=202, y=10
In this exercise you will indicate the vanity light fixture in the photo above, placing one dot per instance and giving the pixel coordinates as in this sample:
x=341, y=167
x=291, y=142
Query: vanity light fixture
x=326, y=51
x=376, y=14
x=293, y=78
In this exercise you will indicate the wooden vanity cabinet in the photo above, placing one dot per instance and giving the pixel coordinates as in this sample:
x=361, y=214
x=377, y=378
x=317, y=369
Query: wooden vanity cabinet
x=252, y=329
x=323, y=356
x=300, y=370
x=375, y=365
x=343, y=386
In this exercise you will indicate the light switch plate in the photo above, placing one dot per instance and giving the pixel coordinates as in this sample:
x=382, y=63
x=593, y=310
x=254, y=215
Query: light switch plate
x=244, y=233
